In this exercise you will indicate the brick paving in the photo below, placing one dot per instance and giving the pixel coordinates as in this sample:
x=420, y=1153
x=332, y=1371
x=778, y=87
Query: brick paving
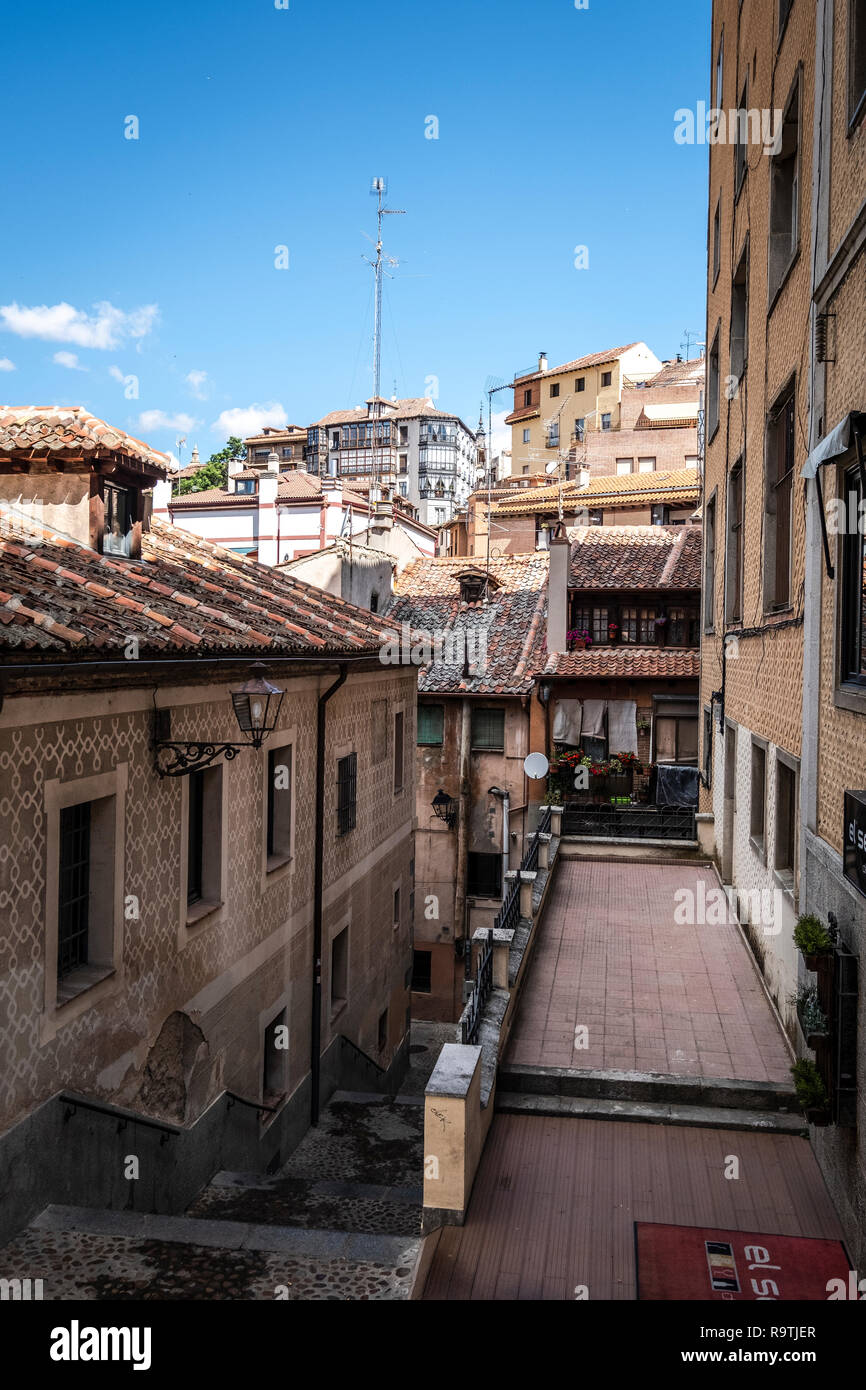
x=653, y=995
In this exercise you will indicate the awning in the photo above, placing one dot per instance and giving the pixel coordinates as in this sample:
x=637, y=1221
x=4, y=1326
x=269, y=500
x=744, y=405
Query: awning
x=836, y=443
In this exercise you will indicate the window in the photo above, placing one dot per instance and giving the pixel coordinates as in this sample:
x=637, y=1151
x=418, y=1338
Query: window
x=382, y=1035
x=784, y=11
x=784, y=199
x=339, y=971
x=682, y=628
x=527, y=398
x=275, y=1056
x=606, y=378
x=720, y=73
x=707, y=764
x=119, y=510
x=856, y=60
x=526, y=436
x=279, y=820
x=404, y=463
x=347, y=785
x=734, y=556
x=740, y=315
x=713, y=388
x=398, y=752
x=717, y=240
x=758, y=802
x=660, y=514
x=777, y=503
x=335, y=440
x=195, y=842
x=624, y=465
x=554, y=389
x=396, y=917
x=741, y=148
x=204, y=841
x=488, y=729
x=852, y=646
x=553, y=435
x=675, y=729
x=710, y=565
x=638, y=625
x=404, y=434
x=647, y=465
x=786, y=822
x=245, y=485
x=374, y=602
x=74, y=889
x=580, y=384
x=605, y=422
x=421, y=971
x=484, y=876
x=579, y=429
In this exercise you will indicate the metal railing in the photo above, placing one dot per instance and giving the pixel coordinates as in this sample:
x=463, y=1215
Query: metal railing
x=480, y=992
x=629, y=822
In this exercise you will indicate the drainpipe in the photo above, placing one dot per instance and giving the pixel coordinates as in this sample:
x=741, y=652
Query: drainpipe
x=461, y=867
x=505, y=798
x=316, y=1026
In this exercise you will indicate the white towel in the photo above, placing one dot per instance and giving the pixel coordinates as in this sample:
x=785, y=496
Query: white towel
x=567, y=721
x=593, y=718
x=621, y=727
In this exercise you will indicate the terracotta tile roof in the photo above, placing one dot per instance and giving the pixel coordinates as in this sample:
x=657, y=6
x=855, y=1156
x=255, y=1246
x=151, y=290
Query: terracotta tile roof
x=677, y=373
x=635, y=557
x=427, y=597
x=294, y=485
x=69, y=432
x=680, y=486
x=594, y=359
x=397, y=410
x=185, y=596
x=626, y=662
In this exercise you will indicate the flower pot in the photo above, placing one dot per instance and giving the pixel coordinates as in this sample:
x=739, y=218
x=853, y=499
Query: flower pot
x=814, y=1040
x=814, y=960
x=819, y=1118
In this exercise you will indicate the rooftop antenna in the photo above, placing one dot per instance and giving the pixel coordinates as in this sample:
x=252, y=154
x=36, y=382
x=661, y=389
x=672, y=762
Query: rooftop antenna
x=379, y=188
x=688, y=338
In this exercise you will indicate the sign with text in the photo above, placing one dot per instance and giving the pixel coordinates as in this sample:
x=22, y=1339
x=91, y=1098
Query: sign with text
x=854, y=840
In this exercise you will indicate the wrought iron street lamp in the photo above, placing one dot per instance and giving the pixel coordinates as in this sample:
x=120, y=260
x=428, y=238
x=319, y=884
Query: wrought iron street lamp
x=445, y=807
x=256, y=708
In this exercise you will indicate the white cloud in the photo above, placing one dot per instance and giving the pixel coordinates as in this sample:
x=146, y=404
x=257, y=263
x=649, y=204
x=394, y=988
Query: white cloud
x=70, y=360
x=501, y=433
x=160, y=420
x=116, y=373
x=6, y=365
x=249, y=419
x=198, y=384
x=62, y=323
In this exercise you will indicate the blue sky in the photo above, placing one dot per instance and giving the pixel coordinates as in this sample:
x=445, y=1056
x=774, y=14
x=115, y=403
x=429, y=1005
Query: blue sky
x=262, y=127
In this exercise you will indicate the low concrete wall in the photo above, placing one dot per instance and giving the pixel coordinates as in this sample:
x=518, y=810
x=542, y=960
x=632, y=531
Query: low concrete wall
x=72, y=1156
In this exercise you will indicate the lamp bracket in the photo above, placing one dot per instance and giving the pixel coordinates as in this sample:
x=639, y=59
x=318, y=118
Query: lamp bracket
x=191, y=757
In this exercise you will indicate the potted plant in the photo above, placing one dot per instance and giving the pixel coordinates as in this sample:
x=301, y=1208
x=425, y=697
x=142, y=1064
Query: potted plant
x=813, y=1020
x=812, y=940
x=578, y=639
x=643, y=724
x=811, y=1092
x=612, y=630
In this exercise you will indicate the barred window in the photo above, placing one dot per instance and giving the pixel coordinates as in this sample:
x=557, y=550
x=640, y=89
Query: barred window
x=347, y=784
x=431, y=723
x=488, y=729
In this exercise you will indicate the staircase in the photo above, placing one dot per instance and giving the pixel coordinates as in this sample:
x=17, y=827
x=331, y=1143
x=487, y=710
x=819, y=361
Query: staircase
x=650, y=1098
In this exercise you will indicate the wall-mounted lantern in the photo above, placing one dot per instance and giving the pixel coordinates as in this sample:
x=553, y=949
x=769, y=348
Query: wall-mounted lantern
x=445, y=807
x=257, y=709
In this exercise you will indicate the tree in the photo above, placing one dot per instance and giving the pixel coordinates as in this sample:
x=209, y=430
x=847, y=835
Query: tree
x=214, y=473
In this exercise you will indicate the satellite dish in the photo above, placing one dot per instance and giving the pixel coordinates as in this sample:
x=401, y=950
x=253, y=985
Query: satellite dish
x=552, y=468
x=536, y=766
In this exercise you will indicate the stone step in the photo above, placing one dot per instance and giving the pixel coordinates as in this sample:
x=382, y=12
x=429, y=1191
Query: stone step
x=297, y=1242
x=324, y=1187
x=646, y=1087
x=688, y=1116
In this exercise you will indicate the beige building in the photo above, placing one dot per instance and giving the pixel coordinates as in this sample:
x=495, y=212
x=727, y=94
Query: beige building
x=208, y=933
x=784, y=742
x=610, y=412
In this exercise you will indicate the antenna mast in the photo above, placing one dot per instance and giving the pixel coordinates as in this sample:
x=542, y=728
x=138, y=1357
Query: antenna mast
x=379, y=188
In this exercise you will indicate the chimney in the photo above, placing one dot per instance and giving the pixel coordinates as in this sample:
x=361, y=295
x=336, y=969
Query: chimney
x=542, y=361
x=161, y=499
x=266, y=516
x=557, y=592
